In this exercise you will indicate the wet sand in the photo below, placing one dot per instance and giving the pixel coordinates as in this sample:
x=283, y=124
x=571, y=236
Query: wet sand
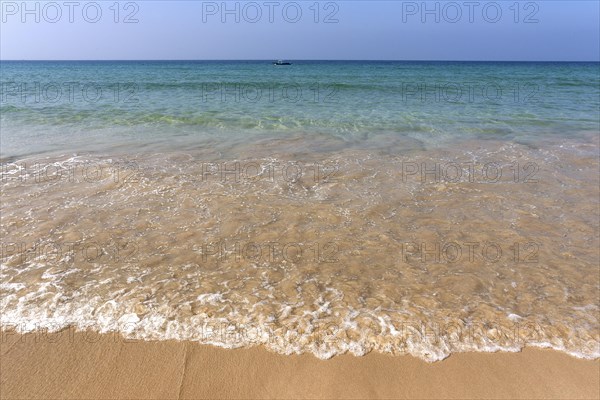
x=72, y=365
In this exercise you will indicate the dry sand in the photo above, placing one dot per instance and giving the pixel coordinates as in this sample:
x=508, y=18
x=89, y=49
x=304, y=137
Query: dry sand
x=87, y=365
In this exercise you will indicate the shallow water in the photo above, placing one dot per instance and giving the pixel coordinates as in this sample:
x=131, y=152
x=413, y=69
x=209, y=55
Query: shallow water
x=473, y=227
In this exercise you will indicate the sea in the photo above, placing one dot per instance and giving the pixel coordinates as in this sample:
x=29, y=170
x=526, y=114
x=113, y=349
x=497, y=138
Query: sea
x=324, y=207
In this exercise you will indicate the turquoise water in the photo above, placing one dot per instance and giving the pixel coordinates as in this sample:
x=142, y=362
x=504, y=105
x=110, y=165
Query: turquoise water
x=103, y=106
x=371, y=193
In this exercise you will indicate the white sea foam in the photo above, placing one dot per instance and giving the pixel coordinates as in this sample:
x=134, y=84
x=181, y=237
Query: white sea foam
x=324, y=338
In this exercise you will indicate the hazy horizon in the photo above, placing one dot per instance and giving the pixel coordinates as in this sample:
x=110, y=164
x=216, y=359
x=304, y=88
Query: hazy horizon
x=312, y=60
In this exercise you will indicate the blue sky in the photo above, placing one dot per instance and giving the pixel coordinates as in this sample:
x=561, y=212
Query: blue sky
x=386, y=30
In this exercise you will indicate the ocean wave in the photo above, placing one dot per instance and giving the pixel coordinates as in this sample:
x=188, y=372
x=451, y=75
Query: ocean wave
x=358, y=332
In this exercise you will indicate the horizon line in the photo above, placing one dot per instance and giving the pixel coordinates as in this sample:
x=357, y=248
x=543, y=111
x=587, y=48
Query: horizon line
x=298, y=59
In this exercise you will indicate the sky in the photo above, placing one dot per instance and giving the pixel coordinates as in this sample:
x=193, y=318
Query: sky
x=547, y=30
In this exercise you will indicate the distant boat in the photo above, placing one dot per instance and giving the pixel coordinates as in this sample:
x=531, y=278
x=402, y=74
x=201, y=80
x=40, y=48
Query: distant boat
x=280, y=62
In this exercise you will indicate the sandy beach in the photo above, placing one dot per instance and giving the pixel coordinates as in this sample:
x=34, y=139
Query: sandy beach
x=300, y=200
x=76, y=365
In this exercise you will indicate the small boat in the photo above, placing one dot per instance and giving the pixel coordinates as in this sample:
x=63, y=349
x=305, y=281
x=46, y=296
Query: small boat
x=281, y=62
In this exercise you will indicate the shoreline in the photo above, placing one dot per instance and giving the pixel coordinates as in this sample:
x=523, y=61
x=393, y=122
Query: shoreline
x=92, y=365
